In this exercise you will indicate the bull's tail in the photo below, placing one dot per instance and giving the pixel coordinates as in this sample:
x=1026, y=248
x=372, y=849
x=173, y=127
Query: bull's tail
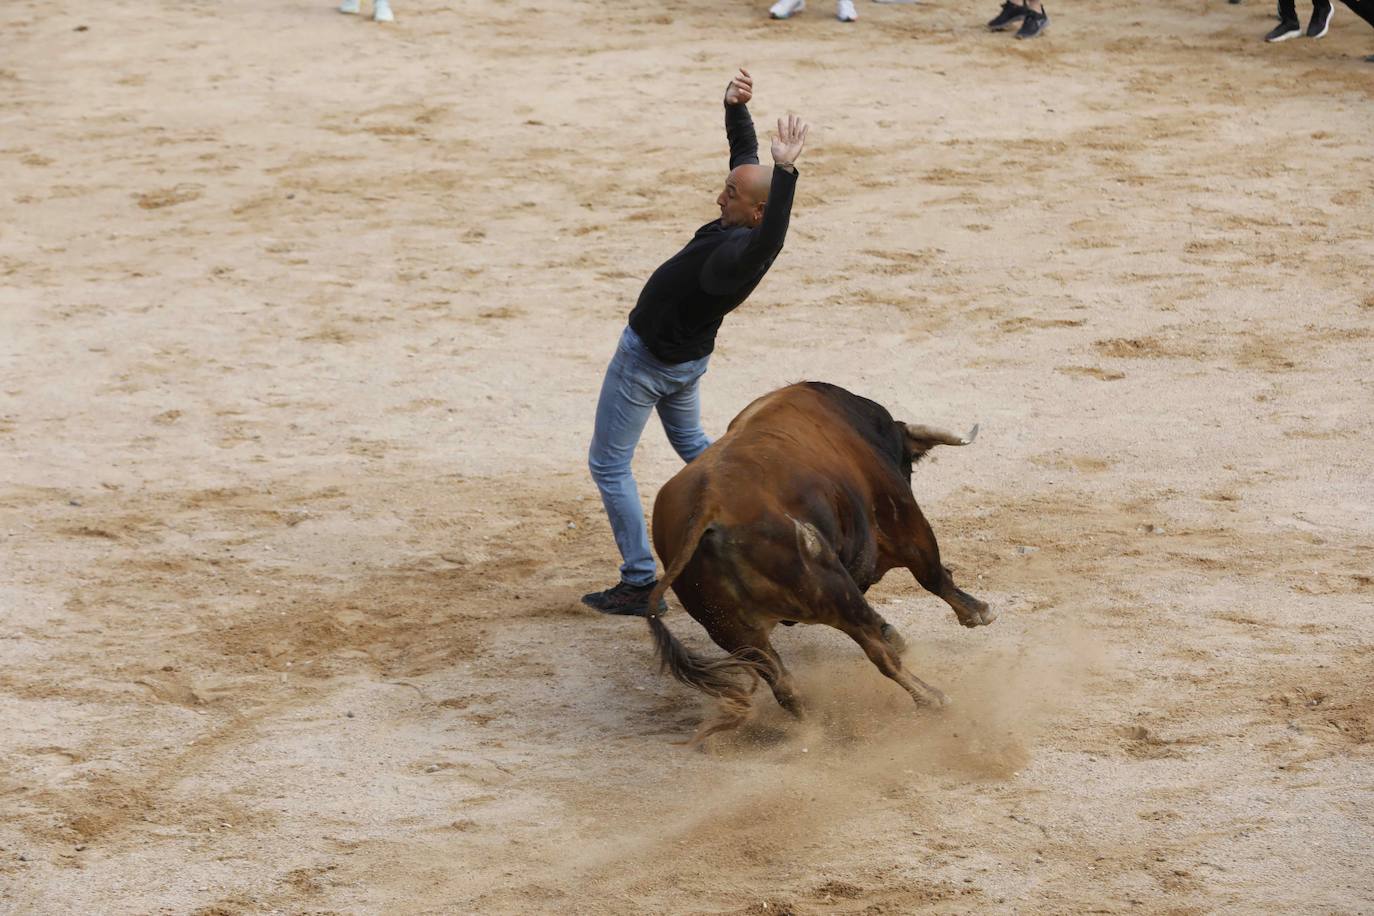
x=719, y=678
x=700, y=524
x=715, y=677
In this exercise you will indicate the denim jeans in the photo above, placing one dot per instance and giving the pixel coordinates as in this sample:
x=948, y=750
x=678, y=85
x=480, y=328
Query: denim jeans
x=637, y=382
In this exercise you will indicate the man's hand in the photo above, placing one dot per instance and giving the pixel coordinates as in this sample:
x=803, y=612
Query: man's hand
x=788, y=143
x=741, y=88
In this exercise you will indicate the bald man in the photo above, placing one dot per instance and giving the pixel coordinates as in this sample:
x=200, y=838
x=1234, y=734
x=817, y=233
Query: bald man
x=672, y=330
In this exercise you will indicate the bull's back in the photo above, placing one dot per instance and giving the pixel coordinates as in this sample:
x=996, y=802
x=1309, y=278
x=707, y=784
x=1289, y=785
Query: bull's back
x=789, y=453
x=792, y=440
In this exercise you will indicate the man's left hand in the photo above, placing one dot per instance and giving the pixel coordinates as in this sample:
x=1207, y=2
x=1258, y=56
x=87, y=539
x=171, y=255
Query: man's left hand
x=790, y=139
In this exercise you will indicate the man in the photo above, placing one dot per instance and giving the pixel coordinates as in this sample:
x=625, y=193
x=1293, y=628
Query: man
x=672, y=330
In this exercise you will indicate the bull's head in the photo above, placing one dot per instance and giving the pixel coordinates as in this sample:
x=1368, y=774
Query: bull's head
x=918, y=439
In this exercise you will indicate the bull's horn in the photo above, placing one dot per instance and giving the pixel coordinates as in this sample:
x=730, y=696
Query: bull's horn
x=939, y=436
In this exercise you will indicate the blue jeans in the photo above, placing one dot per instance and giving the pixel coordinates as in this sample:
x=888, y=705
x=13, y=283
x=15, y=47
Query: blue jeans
x=637, y=382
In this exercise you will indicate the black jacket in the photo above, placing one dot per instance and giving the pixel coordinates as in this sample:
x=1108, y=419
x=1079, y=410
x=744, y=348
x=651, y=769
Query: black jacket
x=686, y=299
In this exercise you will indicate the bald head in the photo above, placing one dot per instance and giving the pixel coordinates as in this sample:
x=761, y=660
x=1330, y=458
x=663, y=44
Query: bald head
x=755, y=180
x=746, y=192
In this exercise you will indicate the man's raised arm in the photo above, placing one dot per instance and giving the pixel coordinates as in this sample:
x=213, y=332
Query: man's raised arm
x=739, y=127
x=743, y=256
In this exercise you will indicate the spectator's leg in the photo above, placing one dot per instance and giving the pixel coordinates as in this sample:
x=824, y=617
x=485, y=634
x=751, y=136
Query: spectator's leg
x=1362, y=8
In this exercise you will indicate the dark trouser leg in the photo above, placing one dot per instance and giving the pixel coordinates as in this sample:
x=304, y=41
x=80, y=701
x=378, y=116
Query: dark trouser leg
x=1362, y=8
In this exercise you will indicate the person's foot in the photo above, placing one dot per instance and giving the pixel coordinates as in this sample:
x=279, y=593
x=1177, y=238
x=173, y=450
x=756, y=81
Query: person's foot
x=1036, y=21
x=1369, y=59
x=624, y=599
x=381, y=12
x=845, y=12
x=1284, y=31
x=1320, y=22
x=1011, y=12
x=786, y=9
x=350, y=6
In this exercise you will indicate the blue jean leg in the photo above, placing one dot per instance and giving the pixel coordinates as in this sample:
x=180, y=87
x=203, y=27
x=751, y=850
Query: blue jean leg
x=635, y=382
x=681, y=416
x=621, y=413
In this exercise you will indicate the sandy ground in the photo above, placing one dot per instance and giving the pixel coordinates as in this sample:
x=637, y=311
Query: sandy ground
x=303, y=322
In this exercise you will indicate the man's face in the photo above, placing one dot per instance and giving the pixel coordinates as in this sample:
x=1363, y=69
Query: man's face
x=737, y=206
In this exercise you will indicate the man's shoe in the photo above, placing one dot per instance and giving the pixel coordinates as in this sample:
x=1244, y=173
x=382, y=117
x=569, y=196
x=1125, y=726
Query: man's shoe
x=1369, y=59
x=1320, y=22
x=845, y=12
x=381, y=12
x=1284, y=31
x=786, y=9
x=350, y=6
x=1010, y=13
x=1033, y=24
x=624, y=599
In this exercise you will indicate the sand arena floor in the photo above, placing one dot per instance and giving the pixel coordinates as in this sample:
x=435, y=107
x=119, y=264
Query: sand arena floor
x=302, y=321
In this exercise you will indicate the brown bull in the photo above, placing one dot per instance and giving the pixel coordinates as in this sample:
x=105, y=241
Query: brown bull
x=790, y=516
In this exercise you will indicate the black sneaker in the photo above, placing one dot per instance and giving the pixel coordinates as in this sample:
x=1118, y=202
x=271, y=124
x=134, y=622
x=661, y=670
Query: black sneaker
x=1320, y=22
x=1284, y=30
x=1033, y=24
x=1010, y=13
x=624, y=599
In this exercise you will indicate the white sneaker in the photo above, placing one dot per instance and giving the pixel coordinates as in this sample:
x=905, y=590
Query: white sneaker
x=381, y=12
x=785, y=9
x=845, y=12
x=349, y=6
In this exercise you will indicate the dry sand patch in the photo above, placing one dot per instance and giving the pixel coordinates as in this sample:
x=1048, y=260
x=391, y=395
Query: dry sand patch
x=303, y=321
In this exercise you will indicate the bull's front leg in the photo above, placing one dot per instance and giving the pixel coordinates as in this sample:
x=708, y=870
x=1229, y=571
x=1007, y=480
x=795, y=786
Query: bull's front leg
x=971, y=611
x=921, y=555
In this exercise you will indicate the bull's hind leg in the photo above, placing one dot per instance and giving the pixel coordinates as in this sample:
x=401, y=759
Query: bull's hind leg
x=752, y=642
x=855, y=617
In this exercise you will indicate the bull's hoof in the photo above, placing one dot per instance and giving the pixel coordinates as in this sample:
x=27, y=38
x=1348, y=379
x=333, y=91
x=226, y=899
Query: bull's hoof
x=972, y=612
x=979, y=619
x=936, y=699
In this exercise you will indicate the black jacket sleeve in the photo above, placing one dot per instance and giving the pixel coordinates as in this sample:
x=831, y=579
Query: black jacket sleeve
x=739, y=130
x=743, y=256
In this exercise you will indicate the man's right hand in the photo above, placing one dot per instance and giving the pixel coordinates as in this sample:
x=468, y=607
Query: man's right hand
x=741, y=88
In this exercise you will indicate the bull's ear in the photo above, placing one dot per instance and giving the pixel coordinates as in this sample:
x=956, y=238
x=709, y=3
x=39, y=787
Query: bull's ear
x=920, y=439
